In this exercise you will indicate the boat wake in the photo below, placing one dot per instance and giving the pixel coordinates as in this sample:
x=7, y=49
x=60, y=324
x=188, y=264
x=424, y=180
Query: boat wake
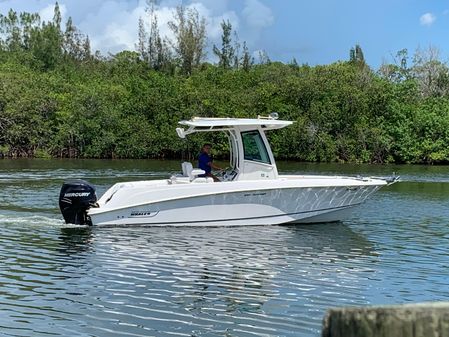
x=30, y=220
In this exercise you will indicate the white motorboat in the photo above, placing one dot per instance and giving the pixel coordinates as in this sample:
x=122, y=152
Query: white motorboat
x=251, y=191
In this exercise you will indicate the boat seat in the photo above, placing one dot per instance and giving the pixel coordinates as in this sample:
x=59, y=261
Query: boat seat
x=189, y=171
x=178, y=180
x=204, y=180
x=186, y=168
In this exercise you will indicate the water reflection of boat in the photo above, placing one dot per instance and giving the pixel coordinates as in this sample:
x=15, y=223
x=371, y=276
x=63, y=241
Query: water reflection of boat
x=219, y=274
x=74, y=240
x=251, y=191
x=339, y=238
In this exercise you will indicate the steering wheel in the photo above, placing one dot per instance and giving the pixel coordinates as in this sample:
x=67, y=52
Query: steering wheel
x=226, y=174
x=222, y=172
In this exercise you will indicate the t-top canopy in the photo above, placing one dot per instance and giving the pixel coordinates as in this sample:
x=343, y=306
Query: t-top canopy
x=197, y=124
x=200, y=124
x=230, y=122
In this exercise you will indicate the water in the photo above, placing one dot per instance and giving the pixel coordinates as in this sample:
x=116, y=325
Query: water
x=58, y=280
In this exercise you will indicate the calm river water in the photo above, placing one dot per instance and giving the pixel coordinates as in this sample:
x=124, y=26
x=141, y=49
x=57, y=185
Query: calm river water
x=57, y=280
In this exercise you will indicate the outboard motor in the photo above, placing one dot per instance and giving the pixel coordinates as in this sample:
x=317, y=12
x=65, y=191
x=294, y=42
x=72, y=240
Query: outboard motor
x=76, y=197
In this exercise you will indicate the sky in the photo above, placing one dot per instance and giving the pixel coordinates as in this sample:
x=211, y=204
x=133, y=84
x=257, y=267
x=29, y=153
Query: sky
x=311, y=31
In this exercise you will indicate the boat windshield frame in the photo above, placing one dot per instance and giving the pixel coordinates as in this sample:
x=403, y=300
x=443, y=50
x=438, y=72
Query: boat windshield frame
x=259, y=145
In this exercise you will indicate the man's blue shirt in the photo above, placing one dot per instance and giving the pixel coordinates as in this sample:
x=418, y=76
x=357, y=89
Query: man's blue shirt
x=203, y=160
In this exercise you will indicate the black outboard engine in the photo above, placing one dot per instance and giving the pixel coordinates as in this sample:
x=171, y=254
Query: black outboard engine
x=76, y=197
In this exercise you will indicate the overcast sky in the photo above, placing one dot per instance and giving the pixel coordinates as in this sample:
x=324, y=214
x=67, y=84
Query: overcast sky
x=312, y=31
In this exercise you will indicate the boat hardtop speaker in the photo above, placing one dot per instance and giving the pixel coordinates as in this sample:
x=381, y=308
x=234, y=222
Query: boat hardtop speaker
x=76, y=197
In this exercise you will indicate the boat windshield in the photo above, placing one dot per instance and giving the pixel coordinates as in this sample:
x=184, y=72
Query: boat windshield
x=254, y=148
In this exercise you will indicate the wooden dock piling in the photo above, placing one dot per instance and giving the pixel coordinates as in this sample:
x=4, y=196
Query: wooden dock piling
x=408, y=320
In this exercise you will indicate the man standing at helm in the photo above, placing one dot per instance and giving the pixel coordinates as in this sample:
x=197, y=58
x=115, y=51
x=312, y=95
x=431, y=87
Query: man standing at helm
x=205, y=162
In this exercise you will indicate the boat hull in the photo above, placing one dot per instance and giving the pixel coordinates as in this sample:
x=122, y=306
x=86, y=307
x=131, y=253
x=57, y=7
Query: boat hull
x=246, y=207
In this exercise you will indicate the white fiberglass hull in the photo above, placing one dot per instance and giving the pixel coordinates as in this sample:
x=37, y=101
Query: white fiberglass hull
x=289, y=199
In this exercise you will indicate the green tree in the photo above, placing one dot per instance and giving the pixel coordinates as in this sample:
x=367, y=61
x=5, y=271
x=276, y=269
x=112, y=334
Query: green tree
x=356, y=55
x=153, y=49
x=190, y=38
x=227, y=53
x=431, y=74
x=246, y=60
x=75, y=44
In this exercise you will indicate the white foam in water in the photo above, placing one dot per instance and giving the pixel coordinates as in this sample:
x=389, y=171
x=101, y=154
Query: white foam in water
x=30, y=220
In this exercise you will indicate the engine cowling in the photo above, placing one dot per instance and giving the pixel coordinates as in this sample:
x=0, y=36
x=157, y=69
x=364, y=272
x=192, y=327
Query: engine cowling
x=76, y=197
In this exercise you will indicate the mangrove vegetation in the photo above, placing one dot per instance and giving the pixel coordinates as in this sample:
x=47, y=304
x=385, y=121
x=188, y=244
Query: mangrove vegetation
x=60, y=99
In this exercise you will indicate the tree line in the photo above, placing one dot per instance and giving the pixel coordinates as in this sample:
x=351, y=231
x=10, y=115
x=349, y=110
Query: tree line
x=60, y=99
